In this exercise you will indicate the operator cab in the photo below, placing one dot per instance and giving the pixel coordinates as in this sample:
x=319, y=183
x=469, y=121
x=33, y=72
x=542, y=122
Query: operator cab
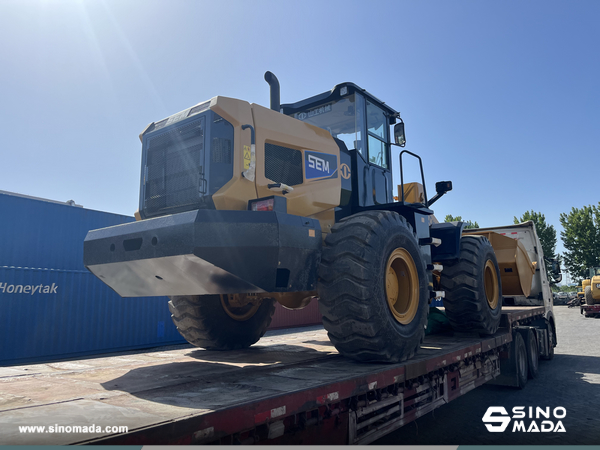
x=360, y=123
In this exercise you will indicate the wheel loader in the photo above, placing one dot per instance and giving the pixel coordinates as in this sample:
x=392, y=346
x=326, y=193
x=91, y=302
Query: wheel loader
x=591, y=287
x=242, y=206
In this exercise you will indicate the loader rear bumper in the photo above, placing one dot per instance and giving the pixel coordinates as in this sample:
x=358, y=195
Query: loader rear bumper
x=207, y=252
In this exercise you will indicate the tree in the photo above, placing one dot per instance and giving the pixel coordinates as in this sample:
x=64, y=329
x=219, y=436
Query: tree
x=581, y=238
x=468, y=223
x=545, y=232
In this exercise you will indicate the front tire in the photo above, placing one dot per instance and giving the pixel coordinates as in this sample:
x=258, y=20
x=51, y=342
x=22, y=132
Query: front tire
x=373, y=288
x=473, y=289
x=217, y=322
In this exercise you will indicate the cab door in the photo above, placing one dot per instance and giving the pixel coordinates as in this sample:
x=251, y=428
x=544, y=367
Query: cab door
x=376, y=183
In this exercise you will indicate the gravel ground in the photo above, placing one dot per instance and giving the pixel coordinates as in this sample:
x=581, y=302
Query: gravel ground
x=570, y=380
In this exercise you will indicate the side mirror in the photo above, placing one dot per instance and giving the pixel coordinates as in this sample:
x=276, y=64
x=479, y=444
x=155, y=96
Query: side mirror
x=399, y=136
x=556, y=273
x=441, y=187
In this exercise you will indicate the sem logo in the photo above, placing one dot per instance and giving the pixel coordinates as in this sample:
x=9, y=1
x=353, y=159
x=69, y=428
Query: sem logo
x=320, y=165
x=499, y=417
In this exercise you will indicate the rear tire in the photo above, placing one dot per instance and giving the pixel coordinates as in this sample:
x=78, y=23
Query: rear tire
x=473, y=289
x=588, y=296
x=533, y=353
x=520, y=355
x=373, y=288
x=204, y=321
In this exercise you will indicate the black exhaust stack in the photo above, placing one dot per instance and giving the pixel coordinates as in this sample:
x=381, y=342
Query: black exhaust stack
x=274, y=83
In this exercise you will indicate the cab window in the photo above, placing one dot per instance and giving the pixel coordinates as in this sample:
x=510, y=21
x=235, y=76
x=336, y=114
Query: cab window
x=377, y=131
x=342, y=118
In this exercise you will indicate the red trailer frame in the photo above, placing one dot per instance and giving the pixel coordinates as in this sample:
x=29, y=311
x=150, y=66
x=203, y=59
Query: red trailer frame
x=306, y=394
x=590, y=310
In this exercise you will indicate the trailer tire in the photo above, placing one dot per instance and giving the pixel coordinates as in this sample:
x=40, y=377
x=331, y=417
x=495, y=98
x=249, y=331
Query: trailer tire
x=204, y=321
x=521, y=363
x=589, y=300
x=533, y=354
x=373, y=288
x=473, y=288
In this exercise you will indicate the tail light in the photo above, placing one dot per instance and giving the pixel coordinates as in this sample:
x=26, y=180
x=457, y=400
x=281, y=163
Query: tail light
x=263, y=205
x=273, y=203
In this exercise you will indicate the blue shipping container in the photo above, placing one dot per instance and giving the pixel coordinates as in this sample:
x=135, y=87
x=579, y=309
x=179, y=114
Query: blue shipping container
x=51, y=307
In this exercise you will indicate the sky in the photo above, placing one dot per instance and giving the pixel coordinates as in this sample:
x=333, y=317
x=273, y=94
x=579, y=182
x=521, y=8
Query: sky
x=501, y=98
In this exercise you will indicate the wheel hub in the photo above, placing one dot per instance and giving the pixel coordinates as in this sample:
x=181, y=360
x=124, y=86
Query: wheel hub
x=240, y=307
x=490, y=279
x=402, y=286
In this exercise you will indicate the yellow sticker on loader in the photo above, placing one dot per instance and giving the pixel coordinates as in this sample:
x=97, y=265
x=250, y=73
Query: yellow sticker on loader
x=246, y=157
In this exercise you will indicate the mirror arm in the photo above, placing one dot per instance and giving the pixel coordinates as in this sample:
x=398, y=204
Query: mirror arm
x=435, y=198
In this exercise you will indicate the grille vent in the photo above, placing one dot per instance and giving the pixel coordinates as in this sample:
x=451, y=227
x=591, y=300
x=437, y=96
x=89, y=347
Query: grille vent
x=174, y=163
x=196, y=109
x=283, y=164
x=221, y=150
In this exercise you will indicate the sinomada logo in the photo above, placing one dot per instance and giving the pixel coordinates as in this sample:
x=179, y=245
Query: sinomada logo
x=525, y=419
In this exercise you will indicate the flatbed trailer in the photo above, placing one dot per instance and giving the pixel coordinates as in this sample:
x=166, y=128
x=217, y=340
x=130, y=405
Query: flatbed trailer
x=291, y=388
x=590, y=310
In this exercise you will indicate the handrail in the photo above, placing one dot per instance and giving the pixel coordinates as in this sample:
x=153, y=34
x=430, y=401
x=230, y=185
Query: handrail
x=422, y=174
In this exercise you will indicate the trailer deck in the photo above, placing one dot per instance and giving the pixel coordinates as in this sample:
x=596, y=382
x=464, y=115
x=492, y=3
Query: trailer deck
x=590, y=310
x=289, y=388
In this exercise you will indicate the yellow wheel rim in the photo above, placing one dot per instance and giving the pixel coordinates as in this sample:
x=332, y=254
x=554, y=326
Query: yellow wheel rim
x=239, y=306
x=490, y=281
x=402, y=286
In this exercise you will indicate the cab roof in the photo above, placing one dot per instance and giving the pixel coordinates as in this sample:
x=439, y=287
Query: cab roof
x=335, y=94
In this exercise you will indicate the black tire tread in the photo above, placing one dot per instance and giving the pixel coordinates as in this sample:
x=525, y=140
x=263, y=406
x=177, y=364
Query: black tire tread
x=203, y=323
x=531, y=345
x=465, y=307
x=589, y=299
x=353, y=322
x=520, y=346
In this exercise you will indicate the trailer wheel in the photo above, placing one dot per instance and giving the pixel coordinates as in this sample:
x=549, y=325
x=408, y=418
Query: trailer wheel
x=373, y=287
x=221, y=322
x=533, y=354
x=519, y=352
x=473, y=289
x=588, y=296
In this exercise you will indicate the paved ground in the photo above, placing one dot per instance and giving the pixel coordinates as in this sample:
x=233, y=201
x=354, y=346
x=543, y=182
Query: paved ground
x=571, y=380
